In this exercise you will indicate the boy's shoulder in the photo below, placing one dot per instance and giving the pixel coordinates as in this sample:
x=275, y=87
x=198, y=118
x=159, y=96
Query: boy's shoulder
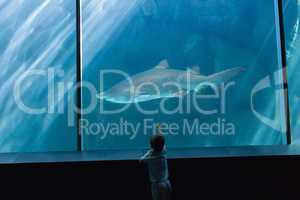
x=159, y=154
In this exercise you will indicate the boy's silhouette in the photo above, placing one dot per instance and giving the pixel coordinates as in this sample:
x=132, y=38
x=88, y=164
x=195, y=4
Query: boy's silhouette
x=157, y=163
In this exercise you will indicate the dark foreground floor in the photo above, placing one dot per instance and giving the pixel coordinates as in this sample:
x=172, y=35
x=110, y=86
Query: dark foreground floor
x=208, y=178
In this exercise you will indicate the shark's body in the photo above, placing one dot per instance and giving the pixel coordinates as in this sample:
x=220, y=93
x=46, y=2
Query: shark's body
x=162, y=82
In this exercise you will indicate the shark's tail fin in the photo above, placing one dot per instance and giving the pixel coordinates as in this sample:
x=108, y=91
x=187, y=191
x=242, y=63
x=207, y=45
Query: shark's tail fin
x=225, y=75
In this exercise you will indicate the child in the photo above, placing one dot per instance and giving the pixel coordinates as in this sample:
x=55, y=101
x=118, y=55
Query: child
x=157, y=163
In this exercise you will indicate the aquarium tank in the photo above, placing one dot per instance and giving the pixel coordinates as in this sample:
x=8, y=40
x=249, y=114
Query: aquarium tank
x=205, y=73
x=293, y=61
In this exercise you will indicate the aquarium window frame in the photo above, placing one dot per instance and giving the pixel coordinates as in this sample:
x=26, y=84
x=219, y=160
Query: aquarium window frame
x=282, y=58
x=79, y=72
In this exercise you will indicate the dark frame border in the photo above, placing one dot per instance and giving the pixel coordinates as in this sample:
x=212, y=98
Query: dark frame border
x=78, y=72
x=280, y=15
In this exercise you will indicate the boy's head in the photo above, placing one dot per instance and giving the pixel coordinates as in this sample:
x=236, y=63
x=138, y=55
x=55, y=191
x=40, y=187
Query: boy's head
x=157, y=142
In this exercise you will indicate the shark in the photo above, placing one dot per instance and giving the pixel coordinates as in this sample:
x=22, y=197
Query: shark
x=162, y=82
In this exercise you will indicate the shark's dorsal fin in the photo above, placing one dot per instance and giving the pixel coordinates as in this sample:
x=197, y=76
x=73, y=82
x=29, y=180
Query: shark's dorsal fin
x=163, y=64
x=195, y=69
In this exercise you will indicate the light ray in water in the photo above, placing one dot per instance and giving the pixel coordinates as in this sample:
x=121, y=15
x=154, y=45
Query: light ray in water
x=113, y=15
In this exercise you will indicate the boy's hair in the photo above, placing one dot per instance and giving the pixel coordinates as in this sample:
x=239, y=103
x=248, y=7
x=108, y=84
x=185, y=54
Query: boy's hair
x=157, y=142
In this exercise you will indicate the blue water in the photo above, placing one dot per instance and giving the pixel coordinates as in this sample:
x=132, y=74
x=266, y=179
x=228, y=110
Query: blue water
x=35, y=35
x=133, y=36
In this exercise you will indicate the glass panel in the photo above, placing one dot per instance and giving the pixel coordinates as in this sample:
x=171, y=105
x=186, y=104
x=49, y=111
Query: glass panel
x=292, y=29
x=37, y=57
x=206, y=71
